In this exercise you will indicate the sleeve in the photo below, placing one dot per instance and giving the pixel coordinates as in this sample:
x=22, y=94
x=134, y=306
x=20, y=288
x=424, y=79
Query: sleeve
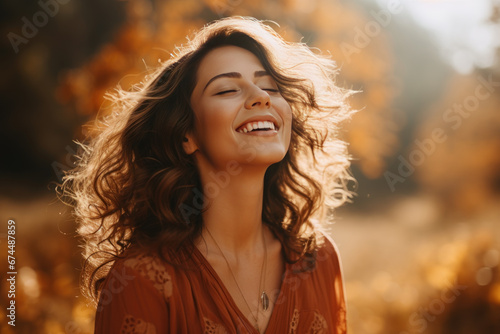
x=334, y=270
x=129, y=303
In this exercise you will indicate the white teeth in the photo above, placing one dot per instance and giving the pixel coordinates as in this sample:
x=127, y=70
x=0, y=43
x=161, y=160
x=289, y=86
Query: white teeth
x=269, y=125
x=257, y=125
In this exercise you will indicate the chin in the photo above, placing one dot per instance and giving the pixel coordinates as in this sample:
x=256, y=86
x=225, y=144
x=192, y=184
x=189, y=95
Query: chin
x=264, y=154
x=268, y=158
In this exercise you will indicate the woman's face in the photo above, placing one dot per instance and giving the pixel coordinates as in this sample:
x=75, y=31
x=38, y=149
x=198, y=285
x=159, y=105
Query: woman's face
x=240, y=114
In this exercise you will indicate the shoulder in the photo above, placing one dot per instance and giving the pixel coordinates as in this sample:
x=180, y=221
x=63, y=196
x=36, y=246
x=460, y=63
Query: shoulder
x=135, y=295
x=330, y=266
x=327, y=254
x=324, y=259
x=150, y=268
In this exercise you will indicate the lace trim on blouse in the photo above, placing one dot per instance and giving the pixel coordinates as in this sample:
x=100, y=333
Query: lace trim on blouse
x=341, y=320
x=153, y=269
x=295, y=322
x=213, y=328
x=319, y=324
x=132, y=325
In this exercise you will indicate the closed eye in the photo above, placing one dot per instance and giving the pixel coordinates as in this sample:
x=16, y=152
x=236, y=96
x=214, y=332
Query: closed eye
x=226, y=91
x=271, y=90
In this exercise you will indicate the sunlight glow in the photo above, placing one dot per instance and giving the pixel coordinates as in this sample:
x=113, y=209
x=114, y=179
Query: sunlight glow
x=461, y=28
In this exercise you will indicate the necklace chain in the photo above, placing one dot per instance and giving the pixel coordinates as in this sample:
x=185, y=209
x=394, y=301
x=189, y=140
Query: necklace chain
x=263, y=296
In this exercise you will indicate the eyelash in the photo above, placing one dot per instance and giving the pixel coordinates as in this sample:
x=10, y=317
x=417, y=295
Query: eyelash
x=226, y=91
x=233, y=90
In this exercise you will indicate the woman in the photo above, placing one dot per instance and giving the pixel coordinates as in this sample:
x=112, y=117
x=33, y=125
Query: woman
x=197, y=200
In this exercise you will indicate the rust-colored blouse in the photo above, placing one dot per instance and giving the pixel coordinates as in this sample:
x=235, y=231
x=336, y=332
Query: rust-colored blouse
x=143, y=294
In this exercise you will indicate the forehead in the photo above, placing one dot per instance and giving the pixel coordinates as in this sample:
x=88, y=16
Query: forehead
x=227, y=59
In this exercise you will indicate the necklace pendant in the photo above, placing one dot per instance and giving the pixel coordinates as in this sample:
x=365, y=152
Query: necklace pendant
x=265, y=300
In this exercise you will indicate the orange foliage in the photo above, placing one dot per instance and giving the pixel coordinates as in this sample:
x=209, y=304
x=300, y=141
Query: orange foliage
x=463, y=171
x=149, y=35
x=372, y=133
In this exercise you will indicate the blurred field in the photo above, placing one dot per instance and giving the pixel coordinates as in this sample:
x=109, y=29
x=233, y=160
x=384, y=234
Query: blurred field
x=420, y=243
x=410, y=270
x=407, y=270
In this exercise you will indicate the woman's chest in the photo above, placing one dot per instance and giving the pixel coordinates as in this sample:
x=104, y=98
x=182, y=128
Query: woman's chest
x=296, y=306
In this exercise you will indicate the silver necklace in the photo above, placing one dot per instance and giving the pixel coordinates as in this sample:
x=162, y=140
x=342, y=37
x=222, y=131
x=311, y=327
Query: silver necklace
x=263, y=296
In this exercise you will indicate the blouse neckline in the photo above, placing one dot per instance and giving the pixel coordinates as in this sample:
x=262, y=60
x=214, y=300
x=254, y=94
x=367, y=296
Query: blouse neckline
x=270, y=326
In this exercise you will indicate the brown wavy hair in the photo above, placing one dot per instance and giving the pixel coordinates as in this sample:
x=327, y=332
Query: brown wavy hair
x=134, y=181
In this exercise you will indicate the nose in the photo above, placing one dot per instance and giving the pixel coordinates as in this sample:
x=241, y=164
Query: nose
x=258, y=98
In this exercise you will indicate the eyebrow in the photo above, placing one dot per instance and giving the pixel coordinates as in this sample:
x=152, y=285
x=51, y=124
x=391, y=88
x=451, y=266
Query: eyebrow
x=256, y=74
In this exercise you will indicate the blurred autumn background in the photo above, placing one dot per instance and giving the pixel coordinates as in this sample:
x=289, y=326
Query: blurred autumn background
x=421, y=241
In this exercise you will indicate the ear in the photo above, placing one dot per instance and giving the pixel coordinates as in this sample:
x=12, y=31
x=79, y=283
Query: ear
x=189, y=144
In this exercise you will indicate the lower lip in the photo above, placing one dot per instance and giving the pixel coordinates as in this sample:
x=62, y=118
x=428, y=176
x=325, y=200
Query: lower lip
x=267, y=133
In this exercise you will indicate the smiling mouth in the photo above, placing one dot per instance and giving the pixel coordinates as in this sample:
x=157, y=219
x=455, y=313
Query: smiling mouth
x=257, y=126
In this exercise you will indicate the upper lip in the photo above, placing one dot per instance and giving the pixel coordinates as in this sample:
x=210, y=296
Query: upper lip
x=261, y=118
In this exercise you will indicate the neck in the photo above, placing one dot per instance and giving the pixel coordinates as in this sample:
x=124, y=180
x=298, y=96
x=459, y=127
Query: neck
x=234, y=209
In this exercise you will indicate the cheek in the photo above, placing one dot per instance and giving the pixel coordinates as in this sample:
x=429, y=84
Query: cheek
x=287, y=115
x=213, y=123
x=283, y=107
